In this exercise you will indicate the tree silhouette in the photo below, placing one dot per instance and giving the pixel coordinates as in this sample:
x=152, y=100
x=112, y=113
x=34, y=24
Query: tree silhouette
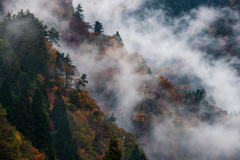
x=98, y=28
x=78, y=14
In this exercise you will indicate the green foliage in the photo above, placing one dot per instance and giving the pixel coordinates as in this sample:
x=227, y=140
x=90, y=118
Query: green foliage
x=24, y=117
x=74, y=98
x=78, y=14
x=6, y=100
x=112, y=119
x=136, y=154
x=69, y=71
x=53, y=36
x=63, y=137
x=72, y=108
x=59, y=108
x=45, y=97
x=96, y=146
x=81, y=83
x=98, y=28
x=59, y=69
x=14, y=146
x=114, y=152
x=118, y=37
x=25, y=50
x=8, y=142
x=41, y=126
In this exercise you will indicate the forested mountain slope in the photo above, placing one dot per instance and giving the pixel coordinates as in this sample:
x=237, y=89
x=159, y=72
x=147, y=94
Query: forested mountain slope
x=70, y=106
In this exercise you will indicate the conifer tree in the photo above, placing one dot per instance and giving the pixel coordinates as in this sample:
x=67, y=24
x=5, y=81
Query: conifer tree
x=69, y=70
x=114, y=152
x=41, y=125
x=63, y=137
x=118, y=37
x=82, y=82
x=45, y=97
x=6, y=100
x=59, y=69
x=137, y=154
x=98, y=28
x=53, y=35
x=59, y=108
x=96, y=146
x=78, y=14
x=24, y=117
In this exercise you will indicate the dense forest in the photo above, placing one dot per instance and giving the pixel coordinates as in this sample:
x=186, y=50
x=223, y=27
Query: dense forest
x=69, y=91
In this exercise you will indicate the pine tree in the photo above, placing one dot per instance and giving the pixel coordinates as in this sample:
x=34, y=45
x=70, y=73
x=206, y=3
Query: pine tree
x=41, y=127
x=53, y=36
x=24, y=117
x=63, y=137
x=78, y=14
x=137, y=154
x=69, y=70
x=98, y=28
x=59, y=69
x=96, y=146
x=114, y=152
x=118, y=37
x=43, y=92
x=59, y=108
x=6, y=100
x=82, y=82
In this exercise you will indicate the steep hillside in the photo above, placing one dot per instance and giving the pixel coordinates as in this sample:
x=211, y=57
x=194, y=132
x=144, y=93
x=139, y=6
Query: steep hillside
x=72, y=92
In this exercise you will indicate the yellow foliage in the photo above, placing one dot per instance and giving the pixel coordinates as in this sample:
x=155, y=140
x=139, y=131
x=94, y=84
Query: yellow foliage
x=121, y=144
x=86, y=98
x=40, y=78
x=52, y=80
x=114, y=43
x=54, y=88
x=139, y=116
x=18, y=138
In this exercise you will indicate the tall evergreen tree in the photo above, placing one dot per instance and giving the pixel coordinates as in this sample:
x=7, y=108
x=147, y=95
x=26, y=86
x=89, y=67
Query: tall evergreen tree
x=78, y=14
x=69, y=70
x=59, y=108
x=41, y=125
x=137, y=154
x=24, y=117
x=114, y=152
x=63, y=136
x=98, y=28
x=96, y=146
x=59, y=69
x=53, y=36
x=6, y=100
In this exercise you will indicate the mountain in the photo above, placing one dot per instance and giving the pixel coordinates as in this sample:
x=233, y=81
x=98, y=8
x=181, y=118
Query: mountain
x=99, y=101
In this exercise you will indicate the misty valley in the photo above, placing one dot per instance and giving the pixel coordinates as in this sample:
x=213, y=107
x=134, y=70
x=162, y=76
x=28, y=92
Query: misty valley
x=120, y=80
